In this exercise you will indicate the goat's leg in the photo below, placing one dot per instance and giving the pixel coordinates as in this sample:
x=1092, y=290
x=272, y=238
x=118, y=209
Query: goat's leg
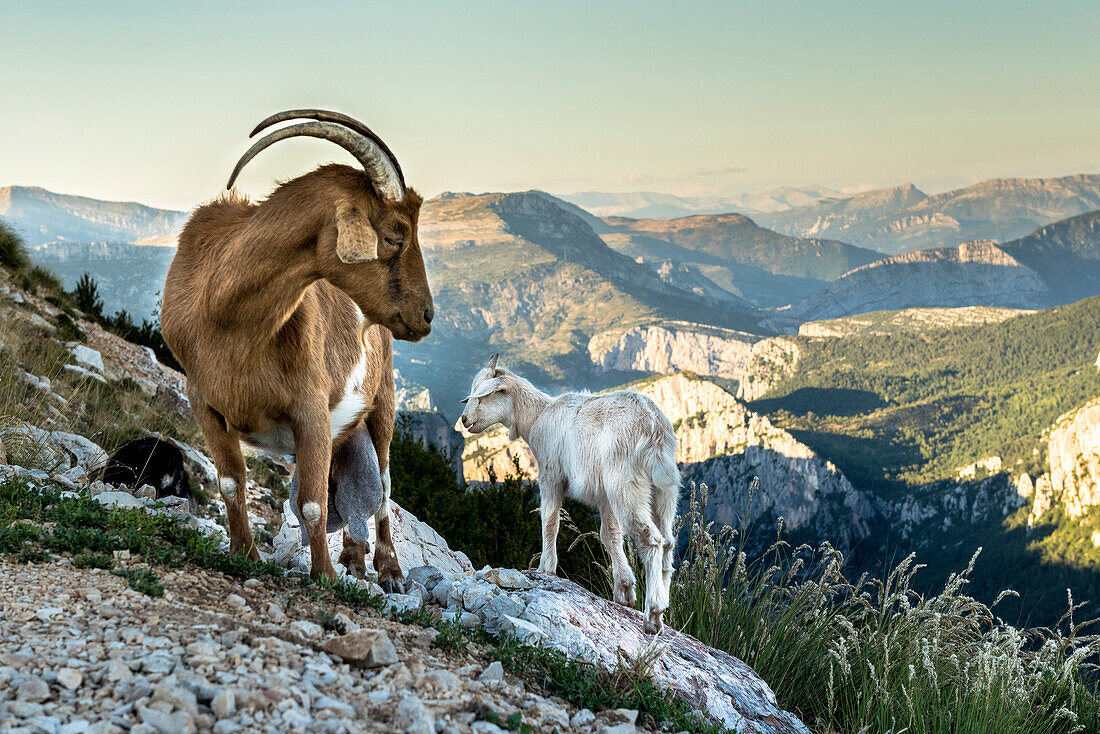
x=313, y=452
x=380, y=425
x=611, y=535
x=651, y=549
x=225, y=450
x=353, y=556
x=550, y=496
x=355, y=484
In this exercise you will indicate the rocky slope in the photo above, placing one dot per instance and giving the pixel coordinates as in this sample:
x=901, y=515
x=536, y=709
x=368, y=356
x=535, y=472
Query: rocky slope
x=42, y=216
x=721, y=443
x=904, y=219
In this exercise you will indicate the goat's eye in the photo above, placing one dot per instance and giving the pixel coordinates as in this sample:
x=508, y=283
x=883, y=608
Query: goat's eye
x=394, y=243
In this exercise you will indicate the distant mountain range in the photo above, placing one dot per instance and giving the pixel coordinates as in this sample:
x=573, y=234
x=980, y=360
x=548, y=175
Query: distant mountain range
x=894, y=220
x=526, y=275
x=41, y=216
x=652, y=205
x=904, y=219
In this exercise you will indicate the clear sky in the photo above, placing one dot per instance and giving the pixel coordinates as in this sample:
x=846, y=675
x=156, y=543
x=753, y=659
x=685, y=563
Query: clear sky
x=152, y=101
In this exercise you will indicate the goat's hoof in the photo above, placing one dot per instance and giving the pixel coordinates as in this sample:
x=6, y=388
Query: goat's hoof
x=654, y=623
x=358, y=570
x=392, y=585
x=625, y=595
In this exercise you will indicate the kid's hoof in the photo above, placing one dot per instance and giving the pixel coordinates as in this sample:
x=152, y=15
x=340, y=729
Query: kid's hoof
x=654, y=624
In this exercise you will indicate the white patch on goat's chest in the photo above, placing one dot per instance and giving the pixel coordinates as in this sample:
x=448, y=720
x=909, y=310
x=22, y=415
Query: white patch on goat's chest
x=352, y=404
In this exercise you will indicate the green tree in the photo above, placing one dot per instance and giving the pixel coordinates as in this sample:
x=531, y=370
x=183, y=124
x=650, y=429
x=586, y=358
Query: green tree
x=86, y=296
x=13, y=255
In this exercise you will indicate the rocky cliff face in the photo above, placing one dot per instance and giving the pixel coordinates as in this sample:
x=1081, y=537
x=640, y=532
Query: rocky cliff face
x=974, y=274
x=952, y=504
x=672, y=346
x=771, y=360
x=1074, y=453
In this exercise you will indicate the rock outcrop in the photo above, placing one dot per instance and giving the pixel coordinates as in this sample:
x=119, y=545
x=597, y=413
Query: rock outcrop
x=951, y=504
x=672, y=346
x=432, y=429
x=770, y=362
x=1074, y=453
x=580, y=625
x=416, y=543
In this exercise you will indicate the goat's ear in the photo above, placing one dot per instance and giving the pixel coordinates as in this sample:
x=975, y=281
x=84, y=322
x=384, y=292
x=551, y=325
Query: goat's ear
x=485, y=388
x=356, y=240
x=492, y=363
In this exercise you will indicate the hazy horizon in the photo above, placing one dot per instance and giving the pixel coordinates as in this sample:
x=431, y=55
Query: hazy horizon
x=132, y=102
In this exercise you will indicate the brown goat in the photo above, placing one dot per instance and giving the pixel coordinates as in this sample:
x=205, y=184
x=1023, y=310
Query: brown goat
x=281, y=314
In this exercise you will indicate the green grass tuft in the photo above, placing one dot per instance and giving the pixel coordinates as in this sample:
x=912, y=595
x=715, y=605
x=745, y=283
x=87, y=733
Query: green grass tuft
x=141, y=579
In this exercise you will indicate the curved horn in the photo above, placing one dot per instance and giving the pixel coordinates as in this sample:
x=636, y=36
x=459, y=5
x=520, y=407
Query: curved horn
x=375, y=162
x=330, y=116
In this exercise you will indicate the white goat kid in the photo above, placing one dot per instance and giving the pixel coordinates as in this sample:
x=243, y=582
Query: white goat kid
x=615, y=452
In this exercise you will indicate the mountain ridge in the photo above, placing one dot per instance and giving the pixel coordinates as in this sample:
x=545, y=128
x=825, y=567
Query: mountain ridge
x=904, y=219
x=43, y=216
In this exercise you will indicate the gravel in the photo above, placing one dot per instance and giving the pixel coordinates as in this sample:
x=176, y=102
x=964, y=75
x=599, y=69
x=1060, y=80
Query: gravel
x=82, y=653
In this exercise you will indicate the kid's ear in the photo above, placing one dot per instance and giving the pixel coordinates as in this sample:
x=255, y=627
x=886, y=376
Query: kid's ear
x=485, y=388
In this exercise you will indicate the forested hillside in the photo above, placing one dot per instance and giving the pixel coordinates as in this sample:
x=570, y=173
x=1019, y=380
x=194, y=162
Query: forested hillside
x=894, y=410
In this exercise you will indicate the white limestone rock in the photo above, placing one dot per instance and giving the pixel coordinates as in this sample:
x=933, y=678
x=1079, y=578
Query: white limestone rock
x=586, y=627
x=416, y=543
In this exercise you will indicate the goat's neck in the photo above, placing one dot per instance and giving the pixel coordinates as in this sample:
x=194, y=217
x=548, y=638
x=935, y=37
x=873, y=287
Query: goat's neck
x=258, y=281
x=528, y=403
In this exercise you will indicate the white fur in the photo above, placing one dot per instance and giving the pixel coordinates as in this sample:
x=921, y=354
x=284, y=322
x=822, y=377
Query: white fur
x=279, y=439
x=228, y=486
x=615, y=452
x=352, y=404
x=311, y=511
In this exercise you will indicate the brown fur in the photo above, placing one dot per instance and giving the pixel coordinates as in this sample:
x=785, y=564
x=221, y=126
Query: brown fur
x=260, y=311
